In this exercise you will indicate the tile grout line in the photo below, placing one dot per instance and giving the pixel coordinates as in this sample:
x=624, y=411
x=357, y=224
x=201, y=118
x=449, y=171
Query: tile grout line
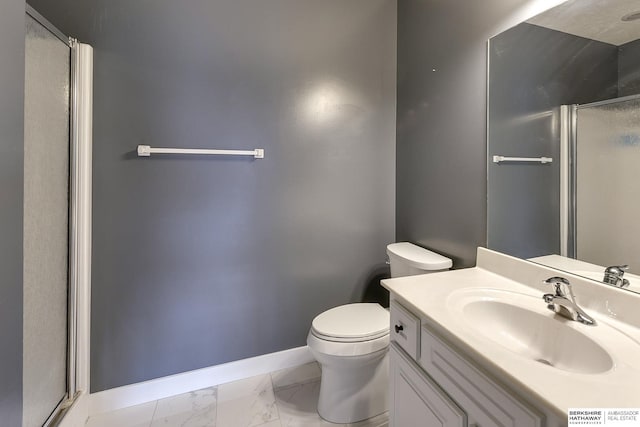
x=153, y=415
x=275, y=399
x=215, y=419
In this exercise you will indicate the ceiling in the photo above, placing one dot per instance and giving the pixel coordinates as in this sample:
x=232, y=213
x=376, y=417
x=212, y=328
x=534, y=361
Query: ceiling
x=594, y=19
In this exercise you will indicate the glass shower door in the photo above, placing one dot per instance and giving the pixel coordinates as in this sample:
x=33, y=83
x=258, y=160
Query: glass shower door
x=46, y=223
x=607, y=177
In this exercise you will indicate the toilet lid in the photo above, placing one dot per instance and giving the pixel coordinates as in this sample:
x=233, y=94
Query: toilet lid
x=352, y=322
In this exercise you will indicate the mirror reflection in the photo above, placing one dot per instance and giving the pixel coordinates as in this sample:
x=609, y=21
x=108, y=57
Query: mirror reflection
x=564, y=140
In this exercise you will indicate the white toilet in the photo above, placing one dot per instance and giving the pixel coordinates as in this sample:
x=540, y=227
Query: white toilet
x=350, y=343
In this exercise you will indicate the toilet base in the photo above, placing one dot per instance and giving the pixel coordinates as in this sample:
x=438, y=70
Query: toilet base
x=353, y=388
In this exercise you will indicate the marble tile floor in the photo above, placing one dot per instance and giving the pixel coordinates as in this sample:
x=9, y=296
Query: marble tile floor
x=285, y=398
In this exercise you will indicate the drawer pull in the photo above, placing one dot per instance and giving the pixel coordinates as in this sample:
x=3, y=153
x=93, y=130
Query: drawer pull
x=399, y=328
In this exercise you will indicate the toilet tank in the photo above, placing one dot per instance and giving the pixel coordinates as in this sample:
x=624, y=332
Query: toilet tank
x=407, y=259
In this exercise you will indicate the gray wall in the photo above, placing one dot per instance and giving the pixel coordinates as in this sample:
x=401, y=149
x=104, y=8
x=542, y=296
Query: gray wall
x=533, y=71
x=11, y=198
x=441, y=122
x=200, y=261
x=629, y=69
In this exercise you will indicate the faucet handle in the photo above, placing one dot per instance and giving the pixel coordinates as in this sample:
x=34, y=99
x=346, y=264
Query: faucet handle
x=557, y=282
x=613, y=275
x=618, y=270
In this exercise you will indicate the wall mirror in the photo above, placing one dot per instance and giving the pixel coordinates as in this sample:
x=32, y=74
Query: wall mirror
x=564, y=140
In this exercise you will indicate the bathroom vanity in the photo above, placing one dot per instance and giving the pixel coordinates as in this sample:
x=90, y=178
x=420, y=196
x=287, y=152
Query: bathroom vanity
x=454, y=393
x=479, y=347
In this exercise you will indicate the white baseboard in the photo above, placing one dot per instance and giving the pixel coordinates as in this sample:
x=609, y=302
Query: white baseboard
x=159, y=388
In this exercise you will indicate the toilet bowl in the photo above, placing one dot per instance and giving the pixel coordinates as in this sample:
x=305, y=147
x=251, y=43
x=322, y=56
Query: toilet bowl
x=350, y=342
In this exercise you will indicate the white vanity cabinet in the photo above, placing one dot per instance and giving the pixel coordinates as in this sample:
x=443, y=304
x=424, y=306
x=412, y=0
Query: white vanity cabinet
x=415, y=399
x=433, y=385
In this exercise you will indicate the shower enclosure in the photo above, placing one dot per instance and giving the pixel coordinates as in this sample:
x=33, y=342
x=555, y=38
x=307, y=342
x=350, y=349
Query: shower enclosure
x=56, y=214
x=607, y=173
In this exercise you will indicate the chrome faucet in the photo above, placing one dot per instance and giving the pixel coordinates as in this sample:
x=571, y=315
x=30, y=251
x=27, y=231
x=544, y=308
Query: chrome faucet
x=563, y=304
x=613, y=276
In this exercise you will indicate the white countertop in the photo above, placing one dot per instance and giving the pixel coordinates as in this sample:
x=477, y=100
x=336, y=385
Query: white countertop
x=433, y=297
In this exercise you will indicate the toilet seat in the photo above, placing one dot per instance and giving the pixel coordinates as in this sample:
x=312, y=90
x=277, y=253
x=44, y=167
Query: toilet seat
x=350, y=330
x=352, y=323
x=334, y=348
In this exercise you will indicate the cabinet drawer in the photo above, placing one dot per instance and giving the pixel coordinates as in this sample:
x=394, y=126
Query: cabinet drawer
x=405, y=329
x=486, y=403
x=416, y=401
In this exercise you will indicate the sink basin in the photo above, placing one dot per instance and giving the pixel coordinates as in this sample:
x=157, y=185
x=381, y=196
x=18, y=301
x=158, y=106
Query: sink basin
x=523, y=325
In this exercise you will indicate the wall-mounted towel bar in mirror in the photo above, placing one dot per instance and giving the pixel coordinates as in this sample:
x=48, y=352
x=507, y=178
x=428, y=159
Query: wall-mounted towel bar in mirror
x=499, y=159
x=146, y=151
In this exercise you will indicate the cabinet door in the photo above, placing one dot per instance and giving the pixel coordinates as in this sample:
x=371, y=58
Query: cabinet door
x=416, y=401
x=487, y=403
